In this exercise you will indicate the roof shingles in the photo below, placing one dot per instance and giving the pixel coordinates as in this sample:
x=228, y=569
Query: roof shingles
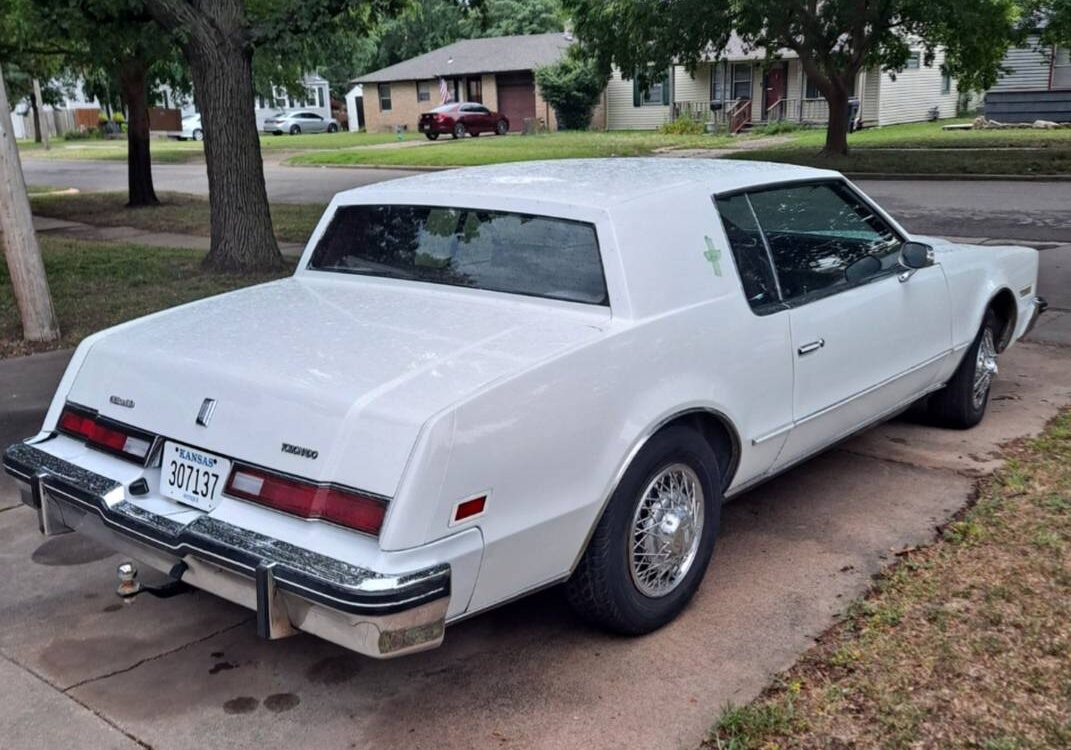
x=497, y=54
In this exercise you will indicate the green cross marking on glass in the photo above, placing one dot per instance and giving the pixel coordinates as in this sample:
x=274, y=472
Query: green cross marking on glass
x=713, y=255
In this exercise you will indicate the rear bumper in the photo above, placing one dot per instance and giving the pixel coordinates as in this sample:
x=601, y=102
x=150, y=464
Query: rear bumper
x=291, y=588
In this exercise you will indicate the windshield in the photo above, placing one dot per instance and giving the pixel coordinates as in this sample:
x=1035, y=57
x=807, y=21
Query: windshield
x=498, y=251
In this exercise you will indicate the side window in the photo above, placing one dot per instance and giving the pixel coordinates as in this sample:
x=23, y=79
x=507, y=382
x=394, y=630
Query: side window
x=816, y=231
x=749, y=252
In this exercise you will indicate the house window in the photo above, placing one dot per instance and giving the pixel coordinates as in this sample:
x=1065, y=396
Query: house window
x=742, y=81
x=1061, y=68
x=656, y=94
x=717, y=83
x=914, y=60
x=423, y=91
x=474, y=90
x=946, y=83
x=384, y=97
x=320, y=96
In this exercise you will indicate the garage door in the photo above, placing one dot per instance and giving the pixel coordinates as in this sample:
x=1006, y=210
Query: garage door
x=516, y=97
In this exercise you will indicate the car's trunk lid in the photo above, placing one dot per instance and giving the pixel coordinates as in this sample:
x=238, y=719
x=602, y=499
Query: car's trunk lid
x=350, y=369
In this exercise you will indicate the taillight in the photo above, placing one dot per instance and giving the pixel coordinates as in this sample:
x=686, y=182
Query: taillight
x=101, y=433
x=344, y=507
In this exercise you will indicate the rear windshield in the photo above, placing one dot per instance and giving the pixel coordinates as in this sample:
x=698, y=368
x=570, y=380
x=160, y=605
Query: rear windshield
x=499, y=251
x=444, y=108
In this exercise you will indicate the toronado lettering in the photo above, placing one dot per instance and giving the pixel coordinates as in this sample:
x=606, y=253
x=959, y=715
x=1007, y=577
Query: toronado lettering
x=297, y=450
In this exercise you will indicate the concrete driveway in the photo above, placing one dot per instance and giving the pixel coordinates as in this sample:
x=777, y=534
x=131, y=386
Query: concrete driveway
x=80, y=668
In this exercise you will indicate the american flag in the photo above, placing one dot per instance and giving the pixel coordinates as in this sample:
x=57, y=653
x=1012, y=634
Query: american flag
x=444, y=91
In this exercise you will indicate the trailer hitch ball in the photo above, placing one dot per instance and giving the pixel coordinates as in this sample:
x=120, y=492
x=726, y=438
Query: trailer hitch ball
x=128, y=580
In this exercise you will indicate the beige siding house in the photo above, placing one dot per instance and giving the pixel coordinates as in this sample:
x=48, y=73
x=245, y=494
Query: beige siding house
x=740, y=89
x=497, y=72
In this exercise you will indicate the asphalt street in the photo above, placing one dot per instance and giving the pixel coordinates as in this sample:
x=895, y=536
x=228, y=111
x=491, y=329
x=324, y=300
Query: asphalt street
x=1033, y=211
x=77, y=667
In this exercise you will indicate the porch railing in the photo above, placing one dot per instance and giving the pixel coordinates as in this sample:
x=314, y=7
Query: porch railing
x=814, y=111
x=719, y=114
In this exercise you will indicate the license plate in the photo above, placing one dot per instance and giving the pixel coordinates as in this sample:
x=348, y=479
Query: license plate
x=192, y=476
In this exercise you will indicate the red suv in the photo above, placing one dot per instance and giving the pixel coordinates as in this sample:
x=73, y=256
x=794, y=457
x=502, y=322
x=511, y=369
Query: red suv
x=460, y=118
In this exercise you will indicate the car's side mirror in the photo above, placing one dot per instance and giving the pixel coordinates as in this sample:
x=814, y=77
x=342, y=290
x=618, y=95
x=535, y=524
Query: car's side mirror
x=862, y=269
x=916, y=255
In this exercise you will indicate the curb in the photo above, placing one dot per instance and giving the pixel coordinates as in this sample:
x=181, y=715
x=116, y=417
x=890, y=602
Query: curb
x=959, y=177
x=849, y=175
x=419, y=168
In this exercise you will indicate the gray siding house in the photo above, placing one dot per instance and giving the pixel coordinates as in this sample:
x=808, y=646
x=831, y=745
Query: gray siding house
x=1037, y=85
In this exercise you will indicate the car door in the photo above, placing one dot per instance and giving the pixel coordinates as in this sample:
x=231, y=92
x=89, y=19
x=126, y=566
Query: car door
x=313, y=123
x=868, y=335
x=487, y=123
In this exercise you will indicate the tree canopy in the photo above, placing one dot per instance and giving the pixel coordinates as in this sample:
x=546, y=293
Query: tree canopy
x=833, y=39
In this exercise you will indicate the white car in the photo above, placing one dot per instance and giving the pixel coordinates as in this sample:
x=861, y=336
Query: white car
x=191, y=128
x=483, y=382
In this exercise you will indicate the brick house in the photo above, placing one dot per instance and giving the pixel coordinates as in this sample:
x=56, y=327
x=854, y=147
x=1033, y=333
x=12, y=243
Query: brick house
x=497, y=72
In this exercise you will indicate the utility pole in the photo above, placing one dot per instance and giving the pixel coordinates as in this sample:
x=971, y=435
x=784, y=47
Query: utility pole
x=40, y=112
x=20, y=244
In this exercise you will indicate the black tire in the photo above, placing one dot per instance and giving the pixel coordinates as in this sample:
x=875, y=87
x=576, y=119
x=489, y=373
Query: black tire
x=502, y=127
x=459, y=131
x=332, y=128
x=295, y=130
x=602, y=589
x=956, y=405
x=432, y=136
x=198, y=135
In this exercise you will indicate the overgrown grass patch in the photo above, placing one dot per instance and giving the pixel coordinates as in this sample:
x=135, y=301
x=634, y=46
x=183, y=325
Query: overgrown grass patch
x=496, y=150
x=178, y=212
x=1051, y=160
x=95, y=285
x=963, y=644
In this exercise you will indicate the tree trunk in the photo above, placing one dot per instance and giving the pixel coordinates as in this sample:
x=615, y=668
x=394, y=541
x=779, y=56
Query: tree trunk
x=133, y=76
x=23, y=256
x=36, y=120
x=221, y=65
x=837, y=130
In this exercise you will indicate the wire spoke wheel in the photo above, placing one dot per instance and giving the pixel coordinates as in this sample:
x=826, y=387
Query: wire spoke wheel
x=985, y=368
x=666, y=529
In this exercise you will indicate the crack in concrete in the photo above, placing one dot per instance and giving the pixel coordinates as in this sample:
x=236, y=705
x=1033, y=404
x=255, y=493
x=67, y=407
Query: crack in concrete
x=133, y=738
x=915, y=464
x=10, y=507
x=147, y=659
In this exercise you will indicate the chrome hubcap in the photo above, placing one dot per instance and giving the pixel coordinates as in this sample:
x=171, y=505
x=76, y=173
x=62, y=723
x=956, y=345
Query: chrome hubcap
x=666, y=529
x=985, y=368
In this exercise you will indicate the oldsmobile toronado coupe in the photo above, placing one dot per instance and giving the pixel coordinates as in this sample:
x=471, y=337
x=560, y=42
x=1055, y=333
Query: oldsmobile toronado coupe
x=483, y=382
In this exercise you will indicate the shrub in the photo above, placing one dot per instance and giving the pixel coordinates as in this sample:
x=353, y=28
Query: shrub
x=119, y=118
x=685, y=124
x=572, y=87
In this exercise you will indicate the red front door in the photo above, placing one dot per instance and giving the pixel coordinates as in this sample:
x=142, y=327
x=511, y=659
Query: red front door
x=776, y=88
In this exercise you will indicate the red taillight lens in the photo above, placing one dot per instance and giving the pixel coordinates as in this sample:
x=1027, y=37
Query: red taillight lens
x=89, y=427
x=344, y=507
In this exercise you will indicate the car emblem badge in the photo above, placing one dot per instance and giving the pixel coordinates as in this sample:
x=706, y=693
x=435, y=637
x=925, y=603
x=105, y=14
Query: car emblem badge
x=205, y=415
x=126, y=403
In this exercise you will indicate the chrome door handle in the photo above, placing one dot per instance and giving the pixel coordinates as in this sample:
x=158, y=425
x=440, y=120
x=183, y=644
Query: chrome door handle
x=811, y=347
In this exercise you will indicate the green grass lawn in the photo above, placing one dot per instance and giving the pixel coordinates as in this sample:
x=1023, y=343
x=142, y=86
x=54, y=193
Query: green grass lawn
x=177, y=212
x=494, y=150
x=962, y=644
x=925, y=148
x=95, y=285
x=170, y=151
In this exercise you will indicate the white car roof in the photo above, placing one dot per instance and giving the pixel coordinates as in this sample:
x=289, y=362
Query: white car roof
x=595, y=183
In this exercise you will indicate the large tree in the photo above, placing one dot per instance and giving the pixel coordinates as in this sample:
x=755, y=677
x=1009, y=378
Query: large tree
x=219, y=38
x=833, y=39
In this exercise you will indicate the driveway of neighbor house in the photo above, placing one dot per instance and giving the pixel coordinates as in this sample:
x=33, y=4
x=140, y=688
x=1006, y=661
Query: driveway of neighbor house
x=189, y=671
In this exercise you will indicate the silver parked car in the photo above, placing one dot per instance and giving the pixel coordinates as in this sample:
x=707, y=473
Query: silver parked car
x=301, y=121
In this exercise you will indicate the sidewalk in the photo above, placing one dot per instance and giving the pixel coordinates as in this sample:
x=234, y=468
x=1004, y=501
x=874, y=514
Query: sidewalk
x=79, y=231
